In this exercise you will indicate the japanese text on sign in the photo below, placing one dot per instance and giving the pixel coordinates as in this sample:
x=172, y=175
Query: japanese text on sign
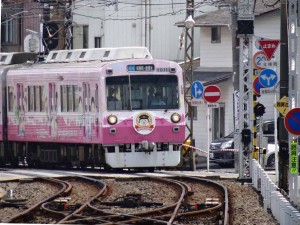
x=282, y=104
x=294, y=158
x=267, y=91
x=270, y=45
x=269, y=64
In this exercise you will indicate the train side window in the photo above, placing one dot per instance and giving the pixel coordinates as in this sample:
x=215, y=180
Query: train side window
x=86, y=96
x=20, y=97
x=36, y=99
x=63, y=100
x=11, y=99
x=69, y=98
x=96, y=98
x=30, y=98
x=52, y=98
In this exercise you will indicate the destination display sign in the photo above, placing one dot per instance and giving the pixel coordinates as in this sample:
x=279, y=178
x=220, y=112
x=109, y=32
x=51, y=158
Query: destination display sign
x=140, y=68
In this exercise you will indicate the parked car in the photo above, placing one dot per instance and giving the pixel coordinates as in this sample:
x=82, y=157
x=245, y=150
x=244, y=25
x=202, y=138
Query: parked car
x=223, y=158
x=226, y=158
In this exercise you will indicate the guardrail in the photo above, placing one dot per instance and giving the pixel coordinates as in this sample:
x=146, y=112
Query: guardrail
x=281, y=208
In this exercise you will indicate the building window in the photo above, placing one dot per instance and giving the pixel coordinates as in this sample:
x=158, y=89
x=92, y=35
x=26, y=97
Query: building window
x=9, y=31
x=98, y=42
x=85, y=30
x=216, y=35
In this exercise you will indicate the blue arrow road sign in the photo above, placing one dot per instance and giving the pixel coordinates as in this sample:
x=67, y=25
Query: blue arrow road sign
x=268, y=78
x=197, y=89
x=292, y=121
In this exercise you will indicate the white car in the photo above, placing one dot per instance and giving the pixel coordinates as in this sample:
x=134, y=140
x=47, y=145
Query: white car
x=269, y=161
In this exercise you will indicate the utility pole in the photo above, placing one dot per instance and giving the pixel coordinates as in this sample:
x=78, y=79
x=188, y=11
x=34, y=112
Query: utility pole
x=283, y=156
x=68, y=24
x=188, y=74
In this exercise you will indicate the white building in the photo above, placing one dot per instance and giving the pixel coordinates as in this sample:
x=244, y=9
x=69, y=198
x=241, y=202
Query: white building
x=216, y=69
x=147, y=23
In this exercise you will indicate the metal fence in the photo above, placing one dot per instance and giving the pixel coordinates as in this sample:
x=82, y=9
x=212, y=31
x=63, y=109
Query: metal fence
x=280, y=207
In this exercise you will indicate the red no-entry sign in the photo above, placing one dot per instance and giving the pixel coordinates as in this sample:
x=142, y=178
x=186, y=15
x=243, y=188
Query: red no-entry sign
x=212, y=93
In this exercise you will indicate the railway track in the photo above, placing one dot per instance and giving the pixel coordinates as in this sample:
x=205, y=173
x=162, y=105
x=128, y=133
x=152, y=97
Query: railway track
x=145, y=200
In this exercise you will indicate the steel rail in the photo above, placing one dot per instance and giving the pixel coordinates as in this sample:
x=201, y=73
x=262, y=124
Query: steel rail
x=225, y=192
x=136, y=217
x=221, y=186
x=77, y=211
x=64, y=190
x=226, y=206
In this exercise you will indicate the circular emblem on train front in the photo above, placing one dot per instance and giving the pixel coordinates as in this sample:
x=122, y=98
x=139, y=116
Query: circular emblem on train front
x=143, y=123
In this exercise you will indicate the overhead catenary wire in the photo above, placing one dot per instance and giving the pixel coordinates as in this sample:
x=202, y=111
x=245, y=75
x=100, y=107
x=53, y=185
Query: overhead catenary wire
x=101, y=3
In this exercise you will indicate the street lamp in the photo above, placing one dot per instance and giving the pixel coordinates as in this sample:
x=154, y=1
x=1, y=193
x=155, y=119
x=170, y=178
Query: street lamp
x=189, y=22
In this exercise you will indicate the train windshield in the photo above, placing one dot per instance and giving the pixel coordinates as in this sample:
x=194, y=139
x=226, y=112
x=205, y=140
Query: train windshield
x=140, y=92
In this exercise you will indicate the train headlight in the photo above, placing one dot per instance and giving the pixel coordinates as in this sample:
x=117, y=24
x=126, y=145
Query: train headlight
x=175, y=117
x=112, y=119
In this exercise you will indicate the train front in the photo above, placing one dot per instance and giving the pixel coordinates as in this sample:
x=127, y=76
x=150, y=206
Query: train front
x=143, y=123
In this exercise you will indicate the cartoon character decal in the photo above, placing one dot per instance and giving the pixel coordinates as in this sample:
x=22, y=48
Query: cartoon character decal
x=143, y=123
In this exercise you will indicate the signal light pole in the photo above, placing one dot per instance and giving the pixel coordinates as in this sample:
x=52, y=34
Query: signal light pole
x=245, y=32
x=188, y=70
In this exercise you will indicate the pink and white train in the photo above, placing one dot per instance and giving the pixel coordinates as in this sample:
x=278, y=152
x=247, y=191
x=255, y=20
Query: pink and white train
x=107, y=107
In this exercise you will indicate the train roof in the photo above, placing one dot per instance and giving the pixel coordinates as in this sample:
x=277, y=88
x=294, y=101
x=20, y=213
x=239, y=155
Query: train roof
x=10, y=58
x=102, y=54
x=84, y=59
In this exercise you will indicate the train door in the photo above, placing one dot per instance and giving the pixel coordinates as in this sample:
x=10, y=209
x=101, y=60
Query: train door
x=21, y=106
x=87, y=132
x=53, y=97
x=94, y=110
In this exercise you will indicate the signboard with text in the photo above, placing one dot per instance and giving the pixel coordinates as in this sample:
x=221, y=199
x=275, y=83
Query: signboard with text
x=269, y=47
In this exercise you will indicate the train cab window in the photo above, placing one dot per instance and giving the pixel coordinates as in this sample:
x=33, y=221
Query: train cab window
x=155, y=92
x=36, y=99
x=69, y=98
x=117, y=93
x=142, y=92
x=11, y=99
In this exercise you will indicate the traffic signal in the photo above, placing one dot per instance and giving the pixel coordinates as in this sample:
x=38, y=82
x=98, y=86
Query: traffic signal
x=245, y=27
x=259, y=109
x=50, y=36
x=246, y=136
